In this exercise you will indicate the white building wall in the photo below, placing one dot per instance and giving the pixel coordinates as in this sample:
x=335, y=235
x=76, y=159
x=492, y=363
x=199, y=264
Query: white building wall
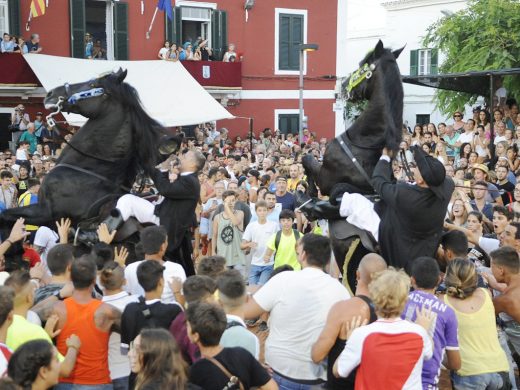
x=397, y=23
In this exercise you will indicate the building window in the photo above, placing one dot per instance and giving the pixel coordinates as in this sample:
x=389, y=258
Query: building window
x=4, y=17
x=422, y=119
x=105, y=21
x=288, y=123
x=290, y=32
x=287, y=120
x=423, y=62
x=189, y=23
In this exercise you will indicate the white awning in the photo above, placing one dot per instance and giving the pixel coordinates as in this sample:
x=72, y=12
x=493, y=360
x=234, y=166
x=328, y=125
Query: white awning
x=168, y=92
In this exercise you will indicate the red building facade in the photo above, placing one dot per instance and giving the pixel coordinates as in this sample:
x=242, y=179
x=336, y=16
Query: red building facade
x=266, y=34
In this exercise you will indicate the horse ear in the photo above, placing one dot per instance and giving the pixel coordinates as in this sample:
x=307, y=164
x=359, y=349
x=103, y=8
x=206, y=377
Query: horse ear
x=121, y=75
x=379, y=49
x=398, y=51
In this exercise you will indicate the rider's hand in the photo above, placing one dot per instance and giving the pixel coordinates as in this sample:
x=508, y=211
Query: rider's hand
x=387, y=152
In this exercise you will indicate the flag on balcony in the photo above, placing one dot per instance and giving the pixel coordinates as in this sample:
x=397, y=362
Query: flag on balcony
x=165, y=5
x=37, y=8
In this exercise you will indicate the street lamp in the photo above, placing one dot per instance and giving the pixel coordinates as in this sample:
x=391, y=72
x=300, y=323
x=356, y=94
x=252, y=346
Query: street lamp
x=303, y=48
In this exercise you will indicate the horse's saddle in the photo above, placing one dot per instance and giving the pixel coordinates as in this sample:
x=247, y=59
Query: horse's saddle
x=340, y=229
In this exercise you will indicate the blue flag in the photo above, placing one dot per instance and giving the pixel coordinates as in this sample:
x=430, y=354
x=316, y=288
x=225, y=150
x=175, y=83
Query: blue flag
x=166, y=5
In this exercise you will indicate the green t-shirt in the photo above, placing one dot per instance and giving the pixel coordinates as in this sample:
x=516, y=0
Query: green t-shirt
x=22, y=331
x=286, y=253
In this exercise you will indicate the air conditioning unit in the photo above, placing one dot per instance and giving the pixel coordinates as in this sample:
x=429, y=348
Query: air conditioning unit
x=249, y=4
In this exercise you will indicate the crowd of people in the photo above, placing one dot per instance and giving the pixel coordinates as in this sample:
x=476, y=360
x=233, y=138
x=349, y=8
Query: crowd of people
x=195, y=51
x=13, y=44
x=254, y=268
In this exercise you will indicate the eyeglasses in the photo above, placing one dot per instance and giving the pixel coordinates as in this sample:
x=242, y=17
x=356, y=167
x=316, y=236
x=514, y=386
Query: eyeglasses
x=457, y=116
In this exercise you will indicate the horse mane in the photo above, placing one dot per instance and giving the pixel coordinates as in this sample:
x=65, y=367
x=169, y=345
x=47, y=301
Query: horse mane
x=394, y=100
x=147, y=131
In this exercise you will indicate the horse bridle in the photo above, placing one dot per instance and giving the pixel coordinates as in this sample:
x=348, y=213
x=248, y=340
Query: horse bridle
x=73, y=99
x=364, y=72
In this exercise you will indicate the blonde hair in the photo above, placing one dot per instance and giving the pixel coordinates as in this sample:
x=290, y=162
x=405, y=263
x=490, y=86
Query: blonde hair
x=461, y=278
x=389, y=290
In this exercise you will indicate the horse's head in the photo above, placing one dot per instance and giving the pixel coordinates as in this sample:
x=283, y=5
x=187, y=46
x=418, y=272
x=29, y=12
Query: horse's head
x=358, y=85
x=87, y=98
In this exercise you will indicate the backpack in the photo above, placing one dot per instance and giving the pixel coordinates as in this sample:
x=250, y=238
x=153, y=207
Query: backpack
x=279, y=237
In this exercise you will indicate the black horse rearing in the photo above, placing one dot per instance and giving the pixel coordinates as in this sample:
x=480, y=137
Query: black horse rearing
x=350, y=167
x=380, y=125
x=103, y=158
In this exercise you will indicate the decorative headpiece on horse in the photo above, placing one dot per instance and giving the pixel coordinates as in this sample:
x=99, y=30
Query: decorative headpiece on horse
x=366, y=68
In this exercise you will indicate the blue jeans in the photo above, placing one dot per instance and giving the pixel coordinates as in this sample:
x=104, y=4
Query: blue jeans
x=259, y=274
x=286, y=384
x=120, y=383
x=490, y=381
x=73, y=386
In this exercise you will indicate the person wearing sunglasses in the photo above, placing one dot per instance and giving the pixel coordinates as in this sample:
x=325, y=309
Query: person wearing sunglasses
x=458, y=124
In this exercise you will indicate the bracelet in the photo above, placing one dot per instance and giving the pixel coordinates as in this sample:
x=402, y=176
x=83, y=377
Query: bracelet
x=73, y=347
x=9, y=241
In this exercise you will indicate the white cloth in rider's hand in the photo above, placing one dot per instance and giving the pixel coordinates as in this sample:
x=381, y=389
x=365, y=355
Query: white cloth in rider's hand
x=359, y=212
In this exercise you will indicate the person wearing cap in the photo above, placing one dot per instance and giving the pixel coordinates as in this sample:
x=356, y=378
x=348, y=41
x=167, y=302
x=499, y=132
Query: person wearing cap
x=282, y=196
x=412, y=216
x=481, y=173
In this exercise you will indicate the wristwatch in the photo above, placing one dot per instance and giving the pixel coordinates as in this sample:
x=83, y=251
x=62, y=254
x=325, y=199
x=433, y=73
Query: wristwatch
x=58, y=295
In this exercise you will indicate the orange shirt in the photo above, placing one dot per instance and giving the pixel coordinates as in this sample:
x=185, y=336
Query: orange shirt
x=92, y=362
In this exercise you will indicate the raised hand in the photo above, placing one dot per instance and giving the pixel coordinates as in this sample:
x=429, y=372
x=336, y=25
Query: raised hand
x=104, y=235
x=63, y=226
x=18, y=231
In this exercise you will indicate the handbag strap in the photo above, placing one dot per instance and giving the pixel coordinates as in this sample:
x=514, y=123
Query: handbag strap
x=232, y=378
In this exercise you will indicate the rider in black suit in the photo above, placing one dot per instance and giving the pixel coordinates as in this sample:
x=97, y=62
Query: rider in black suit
x=177, y=211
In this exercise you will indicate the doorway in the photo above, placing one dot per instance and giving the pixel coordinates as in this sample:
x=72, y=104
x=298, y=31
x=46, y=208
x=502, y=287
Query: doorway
x=96, y=21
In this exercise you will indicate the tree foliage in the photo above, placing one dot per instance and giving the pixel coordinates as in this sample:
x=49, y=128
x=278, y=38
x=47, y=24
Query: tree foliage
x=483, y=36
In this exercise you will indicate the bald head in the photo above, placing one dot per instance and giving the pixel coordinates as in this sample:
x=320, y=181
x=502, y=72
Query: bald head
x=370, y=264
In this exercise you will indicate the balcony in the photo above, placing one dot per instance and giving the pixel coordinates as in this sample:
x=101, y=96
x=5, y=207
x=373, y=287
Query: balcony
x=16, y=76
x=216, y=75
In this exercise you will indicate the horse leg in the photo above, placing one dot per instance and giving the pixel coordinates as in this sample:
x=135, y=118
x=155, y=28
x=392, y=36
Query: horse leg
x=312, y=170
x=348, y=254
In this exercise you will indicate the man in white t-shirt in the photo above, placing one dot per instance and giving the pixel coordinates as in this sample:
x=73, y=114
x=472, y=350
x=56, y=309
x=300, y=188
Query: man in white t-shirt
x=44, y=240
x=468, y=135
x=255, y=238
x=155, y=241
x=298, y=303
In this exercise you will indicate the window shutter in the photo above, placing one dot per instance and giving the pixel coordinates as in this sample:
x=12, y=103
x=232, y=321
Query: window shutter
x=121, y=31
x=218, y=33
x=173, y=27
x=434, y=68
x=284, y=41
x=77, y=28
x=414, y=62
x=290, y=38
x=14, y=17
x=296, y=41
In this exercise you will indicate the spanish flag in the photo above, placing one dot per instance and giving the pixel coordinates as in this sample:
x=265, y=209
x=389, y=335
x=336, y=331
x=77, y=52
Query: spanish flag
x=37, y=8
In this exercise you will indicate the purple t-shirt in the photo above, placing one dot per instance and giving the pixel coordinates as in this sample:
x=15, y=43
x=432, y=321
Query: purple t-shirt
x=443, y=332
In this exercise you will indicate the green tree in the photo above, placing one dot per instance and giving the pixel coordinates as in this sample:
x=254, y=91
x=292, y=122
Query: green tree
x=483, y=36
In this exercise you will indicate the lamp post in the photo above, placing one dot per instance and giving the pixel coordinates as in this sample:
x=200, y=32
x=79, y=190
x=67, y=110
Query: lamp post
x=303, y=48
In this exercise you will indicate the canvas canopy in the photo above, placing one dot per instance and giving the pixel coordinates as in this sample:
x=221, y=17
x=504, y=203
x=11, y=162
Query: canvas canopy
x=168, y=92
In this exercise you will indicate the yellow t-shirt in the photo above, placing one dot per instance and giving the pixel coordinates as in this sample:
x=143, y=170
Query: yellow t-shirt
x=480, y=350
x=286, y=253
x=22, y=331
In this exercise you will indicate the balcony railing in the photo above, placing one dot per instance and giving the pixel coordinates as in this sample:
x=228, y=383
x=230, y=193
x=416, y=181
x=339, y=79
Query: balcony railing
x=216, y=74
x=16, y=72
